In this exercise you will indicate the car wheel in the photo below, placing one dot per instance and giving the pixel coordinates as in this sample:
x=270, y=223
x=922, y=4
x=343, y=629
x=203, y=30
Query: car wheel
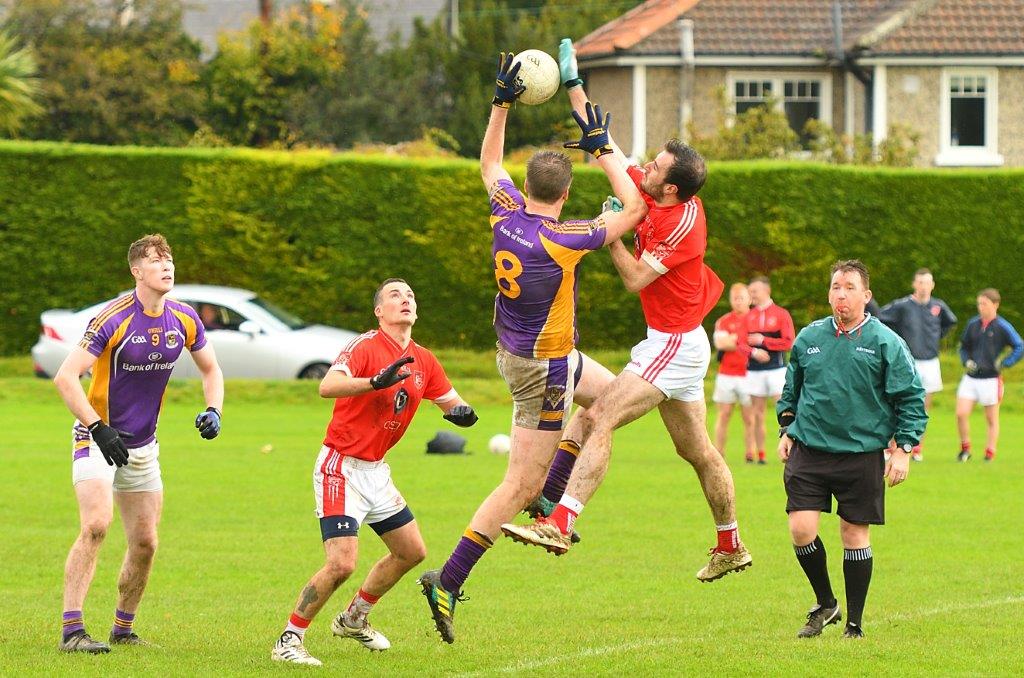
x=315, y=371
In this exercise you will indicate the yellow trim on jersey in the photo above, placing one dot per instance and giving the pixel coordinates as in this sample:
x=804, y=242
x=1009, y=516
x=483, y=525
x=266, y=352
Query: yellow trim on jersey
x=505, y=200
x=190, y=327
x=118, y=306
x=556, y=338
x=99, y=390
x=550, y=415
x=579, y=227
x=495, y=220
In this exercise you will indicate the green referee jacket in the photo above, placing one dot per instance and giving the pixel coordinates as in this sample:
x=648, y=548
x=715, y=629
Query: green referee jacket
x=852, y=391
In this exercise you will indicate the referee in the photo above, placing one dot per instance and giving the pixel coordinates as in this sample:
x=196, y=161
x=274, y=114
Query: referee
x=922, y=321
x=850, y=388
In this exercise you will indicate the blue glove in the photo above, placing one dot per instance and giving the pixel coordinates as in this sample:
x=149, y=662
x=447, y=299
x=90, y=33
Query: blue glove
x=208, y=423
x=567, y=64
x=507, y=89
x=611, y=204
x=595, y=132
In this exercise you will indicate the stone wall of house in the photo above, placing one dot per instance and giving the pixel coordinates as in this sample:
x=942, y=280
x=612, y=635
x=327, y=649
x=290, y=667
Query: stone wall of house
x=914, y=98
x=1011, y=115
x=613, y=88
x=663, y=107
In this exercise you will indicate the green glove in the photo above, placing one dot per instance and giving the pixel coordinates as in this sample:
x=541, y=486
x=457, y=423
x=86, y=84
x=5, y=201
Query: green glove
x=611, y=204
x=567, y=64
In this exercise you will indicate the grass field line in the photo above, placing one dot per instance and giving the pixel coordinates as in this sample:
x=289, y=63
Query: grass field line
x=658, y=642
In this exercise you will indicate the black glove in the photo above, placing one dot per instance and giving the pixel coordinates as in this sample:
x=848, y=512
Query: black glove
x=110, y=442
x=462, y=415
x=390, y=375
x=595, y=132
x=507, y=89
x=208, y=423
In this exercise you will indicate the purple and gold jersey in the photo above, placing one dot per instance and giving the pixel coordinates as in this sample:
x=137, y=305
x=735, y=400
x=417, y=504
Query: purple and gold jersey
x=135, y=353
x=535, y=263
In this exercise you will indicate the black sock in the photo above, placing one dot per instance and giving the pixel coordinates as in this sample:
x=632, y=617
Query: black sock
x=857, y=572
x=812, y=559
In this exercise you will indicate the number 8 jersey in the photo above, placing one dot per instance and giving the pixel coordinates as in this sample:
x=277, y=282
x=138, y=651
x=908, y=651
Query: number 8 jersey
x=535, y=264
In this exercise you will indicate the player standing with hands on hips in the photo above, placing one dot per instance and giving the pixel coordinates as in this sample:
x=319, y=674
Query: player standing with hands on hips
x=131, y=347
x=378, y=382
x=851, y=387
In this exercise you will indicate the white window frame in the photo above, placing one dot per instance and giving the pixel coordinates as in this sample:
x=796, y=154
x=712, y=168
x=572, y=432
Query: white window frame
x=778, y=79
x=970, y=156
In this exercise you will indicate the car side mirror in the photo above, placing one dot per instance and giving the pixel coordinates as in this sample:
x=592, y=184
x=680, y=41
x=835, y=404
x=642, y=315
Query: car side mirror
x=250, y=327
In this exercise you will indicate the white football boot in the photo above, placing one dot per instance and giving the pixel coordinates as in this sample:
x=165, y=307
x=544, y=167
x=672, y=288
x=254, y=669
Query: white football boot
x=369, y=637
x=289, y=648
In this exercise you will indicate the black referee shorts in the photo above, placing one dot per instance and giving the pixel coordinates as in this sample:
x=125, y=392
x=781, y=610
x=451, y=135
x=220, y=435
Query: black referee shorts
x=813, y=477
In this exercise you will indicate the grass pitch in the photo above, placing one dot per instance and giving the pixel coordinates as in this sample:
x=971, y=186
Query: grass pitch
x=239, y=540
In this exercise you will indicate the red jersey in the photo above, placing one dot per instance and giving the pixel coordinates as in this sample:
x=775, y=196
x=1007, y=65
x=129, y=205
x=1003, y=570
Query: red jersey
x=672, y=241
x=775, y=323
x=734, y=363
x=366, y=426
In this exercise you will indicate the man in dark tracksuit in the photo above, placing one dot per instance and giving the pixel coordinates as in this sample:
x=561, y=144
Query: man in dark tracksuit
x=851, y=387
x=921, y=320
x=984, y=339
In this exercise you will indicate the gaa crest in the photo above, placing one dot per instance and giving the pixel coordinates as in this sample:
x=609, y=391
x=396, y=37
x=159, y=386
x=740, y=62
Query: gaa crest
x=418, y=379
x=554, y=394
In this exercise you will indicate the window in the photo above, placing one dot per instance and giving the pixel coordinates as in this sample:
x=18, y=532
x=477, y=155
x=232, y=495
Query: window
x=215, y=316
x=969, y=121
x=800, y=97
x=751, y=93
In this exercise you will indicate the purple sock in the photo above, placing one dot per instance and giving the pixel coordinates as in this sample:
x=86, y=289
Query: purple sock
x=73, y=622
x=561, y=469
x=455, y=572
x=122, y=623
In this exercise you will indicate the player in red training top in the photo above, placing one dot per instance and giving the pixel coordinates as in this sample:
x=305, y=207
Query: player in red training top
x=730, y=340
x=379, y=380
x=667, y=369
x=770, y=334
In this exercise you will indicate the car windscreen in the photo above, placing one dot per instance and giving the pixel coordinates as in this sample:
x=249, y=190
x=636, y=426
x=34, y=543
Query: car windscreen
x=290, y=319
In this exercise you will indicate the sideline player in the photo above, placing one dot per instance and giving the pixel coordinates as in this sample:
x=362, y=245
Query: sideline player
x=851, y=387
x=770, y=332
x=666, y=371
x=730, y=339
x=536, y=258
x=984, y=339
x=376, y=398
x=921, y=320
x=131, y=347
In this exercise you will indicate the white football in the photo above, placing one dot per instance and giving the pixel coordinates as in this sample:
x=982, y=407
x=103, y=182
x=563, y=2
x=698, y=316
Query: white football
x=538, y=74
x=499, y=444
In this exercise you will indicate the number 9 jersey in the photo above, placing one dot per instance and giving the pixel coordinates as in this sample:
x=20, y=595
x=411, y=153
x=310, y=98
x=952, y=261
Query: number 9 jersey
x=535, y=264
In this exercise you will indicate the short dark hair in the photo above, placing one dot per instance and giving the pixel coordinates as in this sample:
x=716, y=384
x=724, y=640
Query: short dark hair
x=548, y=174
x=380, y=288
x=761, y=279
x=138, y=249
x=688, y=171
x=990, y=293
x=852, y=266
x=922, y=271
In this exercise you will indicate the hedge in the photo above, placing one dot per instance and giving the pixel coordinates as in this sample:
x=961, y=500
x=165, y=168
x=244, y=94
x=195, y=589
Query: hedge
x=316, y=232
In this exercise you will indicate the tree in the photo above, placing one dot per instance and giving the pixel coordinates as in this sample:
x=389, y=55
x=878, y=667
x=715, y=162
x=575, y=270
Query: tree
x=19, y=87
x=108, y=79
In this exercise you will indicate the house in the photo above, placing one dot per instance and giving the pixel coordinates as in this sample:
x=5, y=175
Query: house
x=952, y=70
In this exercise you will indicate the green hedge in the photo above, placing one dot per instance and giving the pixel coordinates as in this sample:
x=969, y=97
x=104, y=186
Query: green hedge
x=316, y=233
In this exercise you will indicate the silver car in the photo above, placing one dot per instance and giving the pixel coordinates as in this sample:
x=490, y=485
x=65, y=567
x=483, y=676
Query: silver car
x=253, y=338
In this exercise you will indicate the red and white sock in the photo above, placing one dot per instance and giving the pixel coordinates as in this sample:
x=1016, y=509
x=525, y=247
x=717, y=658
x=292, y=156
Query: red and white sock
x=565, y=513
x=297, y=625
x=990, y=453
x=965, y=446
x=728, y=537
x=359, y=609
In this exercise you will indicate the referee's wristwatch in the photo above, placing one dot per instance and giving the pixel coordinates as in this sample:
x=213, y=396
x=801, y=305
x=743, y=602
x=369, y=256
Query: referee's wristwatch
x=782, y=431
x=907, y=448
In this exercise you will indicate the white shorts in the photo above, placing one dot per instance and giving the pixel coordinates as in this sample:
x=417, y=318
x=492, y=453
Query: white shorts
x=985, y=392
x=350, y=492
x=676, y=364
x=729, y=389
x=931, y=375
x=142, y=474
x=766, y=383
